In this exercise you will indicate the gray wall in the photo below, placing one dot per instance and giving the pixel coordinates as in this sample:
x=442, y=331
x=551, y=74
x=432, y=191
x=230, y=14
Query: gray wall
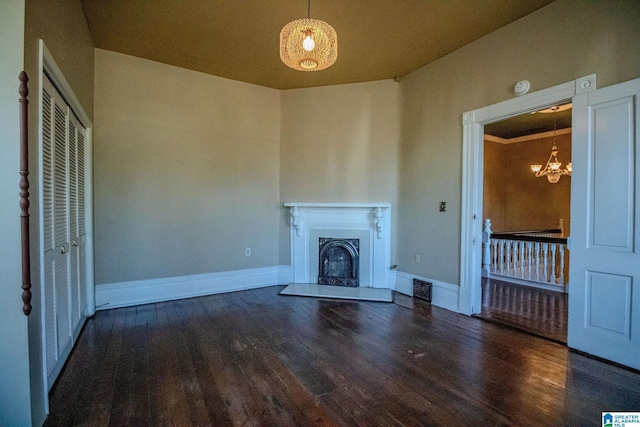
x=340, y=144
x=15, y=393
x=558, y=43
x=186, y=171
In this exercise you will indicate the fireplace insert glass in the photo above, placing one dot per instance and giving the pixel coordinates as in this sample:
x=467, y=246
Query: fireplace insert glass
x=339, y=260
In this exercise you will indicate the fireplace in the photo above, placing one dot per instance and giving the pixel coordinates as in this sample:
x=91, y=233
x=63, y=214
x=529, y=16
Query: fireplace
x=368, y=223
x=339, y=262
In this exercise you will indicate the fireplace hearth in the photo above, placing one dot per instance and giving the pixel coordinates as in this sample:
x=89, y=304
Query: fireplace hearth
x=339, y=262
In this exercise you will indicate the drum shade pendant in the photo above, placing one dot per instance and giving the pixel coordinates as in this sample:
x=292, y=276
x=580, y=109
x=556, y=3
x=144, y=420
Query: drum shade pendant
x=308, y=44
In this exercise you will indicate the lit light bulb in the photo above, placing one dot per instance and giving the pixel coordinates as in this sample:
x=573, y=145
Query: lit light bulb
x=308, y=44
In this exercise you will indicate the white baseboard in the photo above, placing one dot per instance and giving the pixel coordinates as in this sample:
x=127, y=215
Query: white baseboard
x=284, y=274
x=123, y=294
x=443, y=294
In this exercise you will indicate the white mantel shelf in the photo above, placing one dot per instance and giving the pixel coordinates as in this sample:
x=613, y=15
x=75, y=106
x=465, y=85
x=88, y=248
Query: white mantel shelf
x=336, y=205
x=370, y=222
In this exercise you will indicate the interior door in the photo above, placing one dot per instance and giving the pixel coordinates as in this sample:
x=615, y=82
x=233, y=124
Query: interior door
x=55, y=227
x=604, y=295
x=63, y=228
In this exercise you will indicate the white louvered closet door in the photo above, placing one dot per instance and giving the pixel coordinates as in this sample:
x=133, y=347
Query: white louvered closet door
x=64, y=256
x=76, y=220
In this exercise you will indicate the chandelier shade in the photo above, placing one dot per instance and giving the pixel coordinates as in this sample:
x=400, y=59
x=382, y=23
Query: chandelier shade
x=308, y=45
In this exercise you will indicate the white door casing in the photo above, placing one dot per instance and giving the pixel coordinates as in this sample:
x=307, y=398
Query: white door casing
x=604, y=299
x=470, y=301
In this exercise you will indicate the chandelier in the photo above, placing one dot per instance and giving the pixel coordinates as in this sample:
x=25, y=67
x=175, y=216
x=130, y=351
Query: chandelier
x=552, y=169
x=308, y=44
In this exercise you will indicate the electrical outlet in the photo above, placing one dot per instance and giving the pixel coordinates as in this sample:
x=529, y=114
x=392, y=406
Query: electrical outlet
x=247, y=252
x=417, y=258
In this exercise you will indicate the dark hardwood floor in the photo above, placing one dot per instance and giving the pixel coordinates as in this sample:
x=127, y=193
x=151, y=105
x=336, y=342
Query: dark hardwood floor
x=255, y=358
x=538, y=311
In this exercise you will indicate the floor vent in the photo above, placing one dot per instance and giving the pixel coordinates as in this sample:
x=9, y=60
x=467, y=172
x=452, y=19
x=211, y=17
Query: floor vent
x=422, y=289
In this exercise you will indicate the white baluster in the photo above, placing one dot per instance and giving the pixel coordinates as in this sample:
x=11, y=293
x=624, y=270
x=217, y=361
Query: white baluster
x=537, y=246
x=514, y=258
x=553, y=263
x=501, y=260
x=508, y=257
x=529, y=259
x=561, y=273
x=522, y=259
x=545, y=261
x=494, y=253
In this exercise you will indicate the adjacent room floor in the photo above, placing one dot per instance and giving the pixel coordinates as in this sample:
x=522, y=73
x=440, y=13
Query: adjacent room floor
x=258, y=358
x=538, y=311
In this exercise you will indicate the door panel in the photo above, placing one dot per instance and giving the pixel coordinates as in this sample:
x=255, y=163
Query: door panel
x=49, y=306
x=604, y=307
x=609, y=303
x=76, y=219
x=611, y=222
x=61, y=223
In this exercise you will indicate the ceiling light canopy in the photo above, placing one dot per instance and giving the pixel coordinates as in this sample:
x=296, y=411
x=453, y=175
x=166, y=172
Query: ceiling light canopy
x=308, y=44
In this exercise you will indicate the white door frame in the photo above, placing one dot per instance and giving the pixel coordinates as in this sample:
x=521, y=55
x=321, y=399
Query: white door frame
x=470, y=296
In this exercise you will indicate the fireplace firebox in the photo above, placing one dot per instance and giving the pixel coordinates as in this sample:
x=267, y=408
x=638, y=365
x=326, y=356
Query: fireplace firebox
x=338, y=262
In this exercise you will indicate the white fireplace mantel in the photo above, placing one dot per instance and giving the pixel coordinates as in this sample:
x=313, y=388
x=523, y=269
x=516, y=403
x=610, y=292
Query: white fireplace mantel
x=369, y=222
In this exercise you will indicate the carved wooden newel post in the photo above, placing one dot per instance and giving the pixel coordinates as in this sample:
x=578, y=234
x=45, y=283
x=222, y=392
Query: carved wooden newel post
x=24, y=194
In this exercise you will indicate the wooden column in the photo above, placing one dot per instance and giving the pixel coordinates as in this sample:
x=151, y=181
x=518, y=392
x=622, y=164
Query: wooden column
x=24, y=193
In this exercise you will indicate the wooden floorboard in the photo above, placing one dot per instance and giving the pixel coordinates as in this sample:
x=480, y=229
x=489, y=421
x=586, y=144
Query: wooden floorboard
x=541, y=312
x=256, y=358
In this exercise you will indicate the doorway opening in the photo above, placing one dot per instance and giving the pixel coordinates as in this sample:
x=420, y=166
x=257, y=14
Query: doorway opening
x=525, y=258
x=471, y=225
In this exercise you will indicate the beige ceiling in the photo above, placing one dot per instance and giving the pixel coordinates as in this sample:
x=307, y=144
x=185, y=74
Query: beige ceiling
x=238, y=39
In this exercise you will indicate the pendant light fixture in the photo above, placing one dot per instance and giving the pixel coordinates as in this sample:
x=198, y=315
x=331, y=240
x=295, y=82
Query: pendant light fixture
x=552, y=169
x=308, y=44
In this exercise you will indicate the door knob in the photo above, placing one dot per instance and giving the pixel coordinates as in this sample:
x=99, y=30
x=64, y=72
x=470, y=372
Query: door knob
x=74, y=242
x=62, y=250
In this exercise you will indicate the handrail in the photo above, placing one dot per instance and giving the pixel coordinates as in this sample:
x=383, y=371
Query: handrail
x=24, y=193
x=530, y=237
x=542, y=231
